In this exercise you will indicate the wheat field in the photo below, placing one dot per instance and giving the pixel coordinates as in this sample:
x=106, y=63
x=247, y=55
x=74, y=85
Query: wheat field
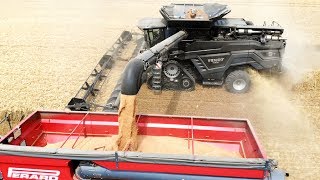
x=48, y=48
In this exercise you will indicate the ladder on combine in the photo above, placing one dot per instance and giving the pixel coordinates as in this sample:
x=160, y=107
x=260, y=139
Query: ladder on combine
x=82, y=100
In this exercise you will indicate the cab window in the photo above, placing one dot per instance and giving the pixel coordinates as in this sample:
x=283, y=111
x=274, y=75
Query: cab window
x=154, y=36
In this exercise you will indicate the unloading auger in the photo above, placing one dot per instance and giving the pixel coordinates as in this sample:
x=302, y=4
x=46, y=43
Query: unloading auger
x=132, y=76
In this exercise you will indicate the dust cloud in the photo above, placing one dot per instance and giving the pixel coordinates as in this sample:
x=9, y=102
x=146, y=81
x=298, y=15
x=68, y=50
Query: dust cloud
x=301, y=56
x=284, y=125
x=278, y=111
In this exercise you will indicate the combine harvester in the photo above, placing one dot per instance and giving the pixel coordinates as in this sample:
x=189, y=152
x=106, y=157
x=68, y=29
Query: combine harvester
x=214, y=51
x=24, y=155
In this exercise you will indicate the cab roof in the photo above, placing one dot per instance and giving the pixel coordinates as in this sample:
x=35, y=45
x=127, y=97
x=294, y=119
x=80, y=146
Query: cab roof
x=194, y=12
x=186, y=16
x=151, y=23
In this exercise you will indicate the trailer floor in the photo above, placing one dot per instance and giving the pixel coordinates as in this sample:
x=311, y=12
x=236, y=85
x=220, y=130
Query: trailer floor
x=154, y=144
x=48, y=48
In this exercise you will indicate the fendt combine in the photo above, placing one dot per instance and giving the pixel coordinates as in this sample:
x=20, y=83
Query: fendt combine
x=216, y=50
x=203, y=48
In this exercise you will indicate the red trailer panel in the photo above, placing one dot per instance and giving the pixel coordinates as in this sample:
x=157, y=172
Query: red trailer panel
x=23, y=153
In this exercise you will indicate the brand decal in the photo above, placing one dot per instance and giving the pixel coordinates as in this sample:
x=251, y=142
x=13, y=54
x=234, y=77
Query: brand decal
x=26, y=173
x=271, y=54
x=215, y=60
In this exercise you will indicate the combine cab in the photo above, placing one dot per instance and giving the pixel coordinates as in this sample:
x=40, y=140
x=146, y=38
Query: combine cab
x=217, y=50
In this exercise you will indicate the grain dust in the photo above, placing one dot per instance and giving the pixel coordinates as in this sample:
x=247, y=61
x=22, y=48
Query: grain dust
x=128, y=127
x=311, y=82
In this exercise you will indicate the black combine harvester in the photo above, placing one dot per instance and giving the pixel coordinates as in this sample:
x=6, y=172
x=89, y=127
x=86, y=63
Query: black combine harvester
x=192, y=44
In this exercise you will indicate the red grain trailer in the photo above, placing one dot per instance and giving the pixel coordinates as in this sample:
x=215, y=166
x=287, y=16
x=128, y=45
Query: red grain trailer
x=23, y=154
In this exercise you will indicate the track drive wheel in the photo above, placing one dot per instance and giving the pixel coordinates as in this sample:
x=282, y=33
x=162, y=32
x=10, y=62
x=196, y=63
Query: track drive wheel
x=238, y=81
x=186, y=83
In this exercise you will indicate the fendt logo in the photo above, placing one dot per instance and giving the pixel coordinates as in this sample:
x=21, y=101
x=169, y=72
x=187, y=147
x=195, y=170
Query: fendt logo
x=26, y=173
x=215, y=60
